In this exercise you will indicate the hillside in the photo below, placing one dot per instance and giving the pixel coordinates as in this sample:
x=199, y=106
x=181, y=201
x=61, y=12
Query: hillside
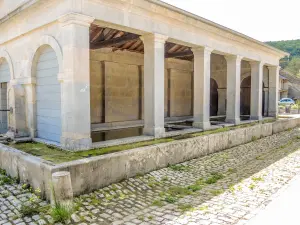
x=293, y=47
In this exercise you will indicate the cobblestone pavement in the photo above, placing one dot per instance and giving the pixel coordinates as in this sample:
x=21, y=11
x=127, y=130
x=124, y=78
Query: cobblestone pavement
x=228, y=187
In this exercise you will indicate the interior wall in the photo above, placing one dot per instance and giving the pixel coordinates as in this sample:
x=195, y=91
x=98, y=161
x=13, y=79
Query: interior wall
x=119, y=77
x=117, y=86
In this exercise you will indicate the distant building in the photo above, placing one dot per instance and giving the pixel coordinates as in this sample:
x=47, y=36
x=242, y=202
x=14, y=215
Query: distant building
x=289, y=85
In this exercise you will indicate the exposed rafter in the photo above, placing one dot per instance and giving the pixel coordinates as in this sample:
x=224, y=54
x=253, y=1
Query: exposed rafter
x=115, y=41
x=179, y=54
x=103, y=37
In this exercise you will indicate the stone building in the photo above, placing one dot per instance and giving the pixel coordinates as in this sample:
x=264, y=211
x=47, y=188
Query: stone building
x=80, y=71
x=289, y=85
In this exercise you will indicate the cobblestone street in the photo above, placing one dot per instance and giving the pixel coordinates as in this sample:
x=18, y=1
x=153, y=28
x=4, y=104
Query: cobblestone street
x=228, y=187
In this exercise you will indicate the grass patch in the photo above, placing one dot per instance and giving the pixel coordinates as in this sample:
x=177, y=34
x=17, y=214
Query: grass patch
x=214, y=178
x=252, y=186
x=61, y=213
x=185, y=207
x=180, y=167
x=216, y=192
x=170, y=199
x=29, y=210
x=219, y=130
x=257, y=179
x=158, y=203
x=58, y=156
x=6, y=180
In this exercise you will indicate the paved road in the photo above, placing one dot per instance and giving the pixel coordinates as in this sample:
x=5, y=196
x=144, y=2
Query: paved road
x=284, y=209
x=224, y=188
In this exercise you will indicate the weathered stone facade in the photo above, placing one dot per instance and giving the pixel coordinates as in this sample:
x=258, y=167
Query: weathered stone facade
x=172, y=88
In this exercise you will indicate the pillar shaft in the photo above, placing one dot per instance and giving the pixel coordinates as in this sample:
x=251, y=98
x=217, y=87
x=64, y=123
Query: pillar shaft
x=233, y=89
x=222, y=101
x=31, y=108
x=154, y=70
x=76, y=121
x=256, y=90
x=202, y=87
x=273, y=90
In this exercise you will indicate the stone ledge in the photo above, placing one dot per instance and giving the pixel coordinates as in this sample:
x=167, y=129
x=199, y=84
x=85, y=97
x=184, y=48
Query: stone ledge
x=93, y=173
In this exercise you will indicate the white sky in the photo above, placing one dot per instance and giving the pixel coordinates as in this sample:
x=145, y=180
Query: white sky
x=264, y=20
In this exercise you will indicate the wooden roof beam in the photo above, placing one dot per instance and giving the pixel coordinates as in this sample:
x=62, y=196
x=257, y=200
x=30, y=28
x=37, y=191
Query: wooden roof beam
x=115, y=41
x=179, y=54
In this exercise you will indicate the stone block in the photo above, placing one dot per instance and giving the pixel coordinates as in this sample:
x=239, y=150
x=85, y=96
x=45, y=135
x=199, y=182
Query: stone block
x=218, y=142
x=236, y=137
x=251, y=133
x=266, y=129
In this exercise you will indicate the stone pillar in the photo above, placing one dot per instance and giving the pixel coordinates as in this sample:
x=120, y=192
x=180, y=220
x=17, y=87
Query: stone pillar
x=154, y=73
x=76, y=117
x=233, y=88
x=266, y=95
x=30, y=90
x=16, y=117
x=202, y=87
x=256, y=90
x=61, y=191
x=273, y=90
x=222, y=101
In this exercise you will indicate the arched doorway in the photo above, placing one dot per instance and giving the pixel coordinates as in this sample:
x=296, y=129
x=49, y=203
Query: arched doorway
x=213, y=97
x=4, y=79
x=246, y=96
x=48, y=94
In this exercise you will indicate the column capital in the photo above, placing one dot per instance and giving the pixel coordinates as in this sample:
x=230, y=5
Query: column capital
x=76, y=18
x=202, y=50
x=276, y=67
x=237, y=58
x=155, y=37
x=256, y=63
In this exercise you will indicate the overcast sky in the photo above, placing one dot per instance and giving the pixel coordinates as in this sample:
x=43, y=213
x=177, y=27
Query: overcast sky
x=264, y=20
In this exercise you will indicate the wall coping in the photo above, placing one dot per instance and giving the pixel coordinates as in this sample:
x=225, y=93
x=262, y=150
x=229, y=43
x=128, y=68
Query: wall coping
x=155, y=156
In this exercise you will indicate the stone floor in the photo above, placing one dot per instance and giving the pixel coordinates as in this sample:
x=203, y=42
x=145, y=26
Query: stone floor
x=228, y=187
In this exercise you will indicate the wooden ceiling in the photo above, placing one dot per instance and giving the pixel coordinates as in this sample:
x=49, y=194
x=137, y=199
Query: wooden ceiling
x=103, y=37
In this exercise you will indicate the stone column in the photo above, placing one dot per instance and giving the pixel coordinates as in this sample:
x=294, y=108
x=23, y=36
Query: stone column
x=76, y=117
x=30, y=89
x=17, y=117
x=266, y=91
x=202, y=87
x=233, y=88
x=154, y=73
x=273, y=90
x=256, y=90
x=222, y=101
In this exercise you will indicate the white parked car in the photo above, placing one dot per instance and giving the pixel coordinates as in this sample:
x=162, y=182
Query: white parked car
x=286, y=101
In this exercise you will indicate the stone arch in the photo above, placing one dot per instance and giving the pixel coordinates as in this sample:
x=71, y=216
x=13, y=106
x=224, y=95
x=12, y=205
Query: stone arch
x=5, y=55
x=46, y=68
x=214, y=97
x=246, y=96
x=46, y=40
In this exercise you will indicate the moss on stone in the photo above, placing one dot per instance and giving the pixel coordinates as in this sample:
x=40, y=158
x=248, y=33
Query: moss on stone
x=57, y=156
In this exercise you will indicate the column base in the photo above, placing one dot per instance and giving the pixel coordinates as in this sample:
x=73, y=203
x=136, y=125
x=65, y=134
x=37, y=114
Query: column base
x=202, y=125
x=235, y=121
x=157, y=132
x=76, y=144
x=259, y=118
x=273, y=114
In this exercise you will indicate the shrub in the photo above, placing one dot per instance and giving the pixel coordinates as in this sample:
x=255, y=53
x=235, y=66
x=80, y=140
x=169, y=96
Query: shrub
x=61, y=212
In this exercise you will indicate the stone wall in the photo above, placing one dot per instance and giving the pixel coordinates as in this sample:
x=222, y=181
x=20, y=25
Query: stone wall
x=96, y=172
